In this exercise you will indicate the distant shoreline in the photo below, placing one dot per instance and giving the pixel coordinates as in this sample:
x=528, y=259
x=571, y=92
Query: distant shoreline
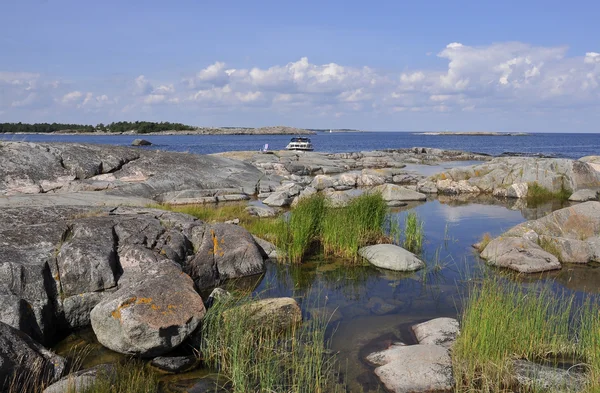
x=472, y=133
x=279, y=130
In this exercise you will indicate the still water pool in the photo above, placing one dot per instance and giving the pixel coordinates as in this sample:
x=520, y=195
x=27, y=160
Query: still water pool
x=370, y=308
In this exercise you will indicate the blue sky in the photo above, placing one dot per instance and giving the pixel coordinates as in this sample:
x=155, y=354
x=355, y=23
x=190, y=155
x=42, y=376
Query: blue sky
x=379, y=65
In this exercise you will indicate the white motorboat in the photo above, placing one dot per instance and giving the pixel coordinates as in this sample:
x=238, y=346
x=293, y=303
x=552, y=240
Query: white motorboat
x=300, y=143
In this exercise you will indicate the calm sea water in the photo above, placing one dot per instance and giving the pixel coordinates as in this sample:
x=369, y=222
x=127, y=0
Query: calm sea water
x=558, y=145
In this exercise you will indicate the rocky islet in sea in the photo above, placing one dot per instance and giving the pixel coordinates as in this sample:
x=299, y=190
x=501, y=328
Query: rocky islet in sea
x=73, y=255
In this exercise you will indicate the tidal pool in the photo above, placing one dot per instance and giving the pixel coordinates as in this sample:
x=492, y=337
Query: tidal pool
x=370, y=308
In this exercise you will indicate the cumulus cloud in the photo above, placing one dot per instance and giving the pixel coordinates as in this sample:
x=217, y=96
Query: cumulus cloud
x=496, y=77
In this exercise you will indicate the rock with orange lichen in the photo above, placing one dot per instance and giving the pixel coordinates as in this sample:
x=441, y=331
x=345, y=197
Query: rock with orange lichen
x=149, y=317
x=224, y=251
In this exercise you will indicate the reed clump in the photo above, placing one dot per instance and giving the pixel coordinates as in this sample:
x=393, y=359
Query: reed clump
x=413, y=233
x=261, y=357
x=503, y=321
x=348, y=228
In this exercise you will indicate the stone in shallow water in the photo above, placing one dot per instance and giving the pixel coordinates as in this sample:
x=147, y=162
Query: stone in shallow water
x=519, y=254
x=414, y=368
x=175, y=364
x=439, y=331
x=391, y=257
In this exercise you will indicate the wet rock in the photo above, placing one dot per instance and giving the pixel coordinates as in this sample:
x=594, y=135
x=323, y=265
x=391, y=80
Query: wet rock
x=536, y=377
x=82, y=380
x=439, y=331
x=584, y=195
x=414, y=368
x=519, y=254
x=26, y=360
x=141, y=142
x=150, y=317
x=175, y=364
x=282, y=313
x=391, y=257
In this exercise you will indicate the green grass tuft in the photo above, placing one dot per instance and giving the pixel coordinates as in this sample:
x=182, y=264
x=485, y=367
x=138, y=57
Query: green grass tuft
x=262, y=358
x=413, y=233
x=537, y=194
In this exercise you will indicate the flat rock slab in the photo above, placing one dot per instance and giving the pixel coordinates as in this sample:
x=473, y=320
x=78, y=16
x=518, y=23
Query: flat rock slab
x=584, y=195
x=439, y=331
x=414, y=368
x=391, y=257
x=394, y=193
x=519, y=254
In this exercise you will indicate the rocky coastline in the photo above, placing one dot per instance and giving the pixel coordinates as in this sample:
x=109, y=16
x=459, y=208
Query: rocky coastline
x=82, y=248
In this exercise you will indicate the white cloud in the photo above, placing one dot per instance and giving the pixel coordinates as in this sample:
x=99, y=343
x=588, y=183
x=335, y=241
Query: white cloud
x=510, y=76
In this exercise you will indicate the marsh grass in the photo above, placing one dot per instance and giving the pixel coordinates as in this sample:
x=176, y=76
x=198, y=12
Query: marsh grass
x=486, y=238
x=360, y=223
x=537, y=194
x=503, y=321
x=260, y=357
x=304, y=226
x=413, y=233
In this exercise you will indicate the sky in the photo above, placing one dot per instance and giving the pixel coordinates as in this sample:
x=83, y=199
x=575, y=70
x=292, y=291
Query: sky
x=531, y=66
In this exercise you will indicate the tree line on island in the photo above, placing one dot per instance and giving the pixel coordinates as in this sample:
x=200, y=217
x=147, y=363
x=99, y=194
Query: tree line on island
x=141, y=127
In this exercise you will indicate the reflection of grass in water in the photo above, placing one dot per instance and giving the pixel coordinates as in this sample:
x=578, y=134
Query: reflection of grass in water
x=261, y=357
x=503, y=321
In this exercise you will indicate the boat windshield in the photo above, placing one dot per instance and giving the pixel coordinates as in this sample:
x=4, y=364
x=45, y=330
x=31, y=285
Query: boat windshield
x=300, y=139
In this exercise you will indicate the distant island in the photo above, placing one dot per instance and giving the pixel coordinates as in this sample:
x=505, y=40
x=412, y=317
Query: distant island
x=334, y=130
x=473, y=133
x=144, y=127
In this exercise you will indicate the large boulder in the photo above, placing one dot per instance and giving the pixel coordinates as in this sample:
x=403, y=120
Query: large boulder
x=584, y=195
x=414, y=368
x=25, y=363
x=391, y=257
x=519, y=254
x=151, y=317
x=224, y=251
x=569, y=235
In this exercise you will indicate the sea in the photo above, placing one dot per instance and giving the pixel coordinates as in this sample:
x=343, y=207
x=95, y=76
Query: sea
x=564, y=145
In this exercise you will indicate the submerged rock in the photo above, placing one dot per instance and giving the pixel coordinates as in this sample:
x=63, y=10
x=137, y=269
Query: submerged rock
x=519, y=254
x=391, y=257
x=175, y=364
x=414, y=368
